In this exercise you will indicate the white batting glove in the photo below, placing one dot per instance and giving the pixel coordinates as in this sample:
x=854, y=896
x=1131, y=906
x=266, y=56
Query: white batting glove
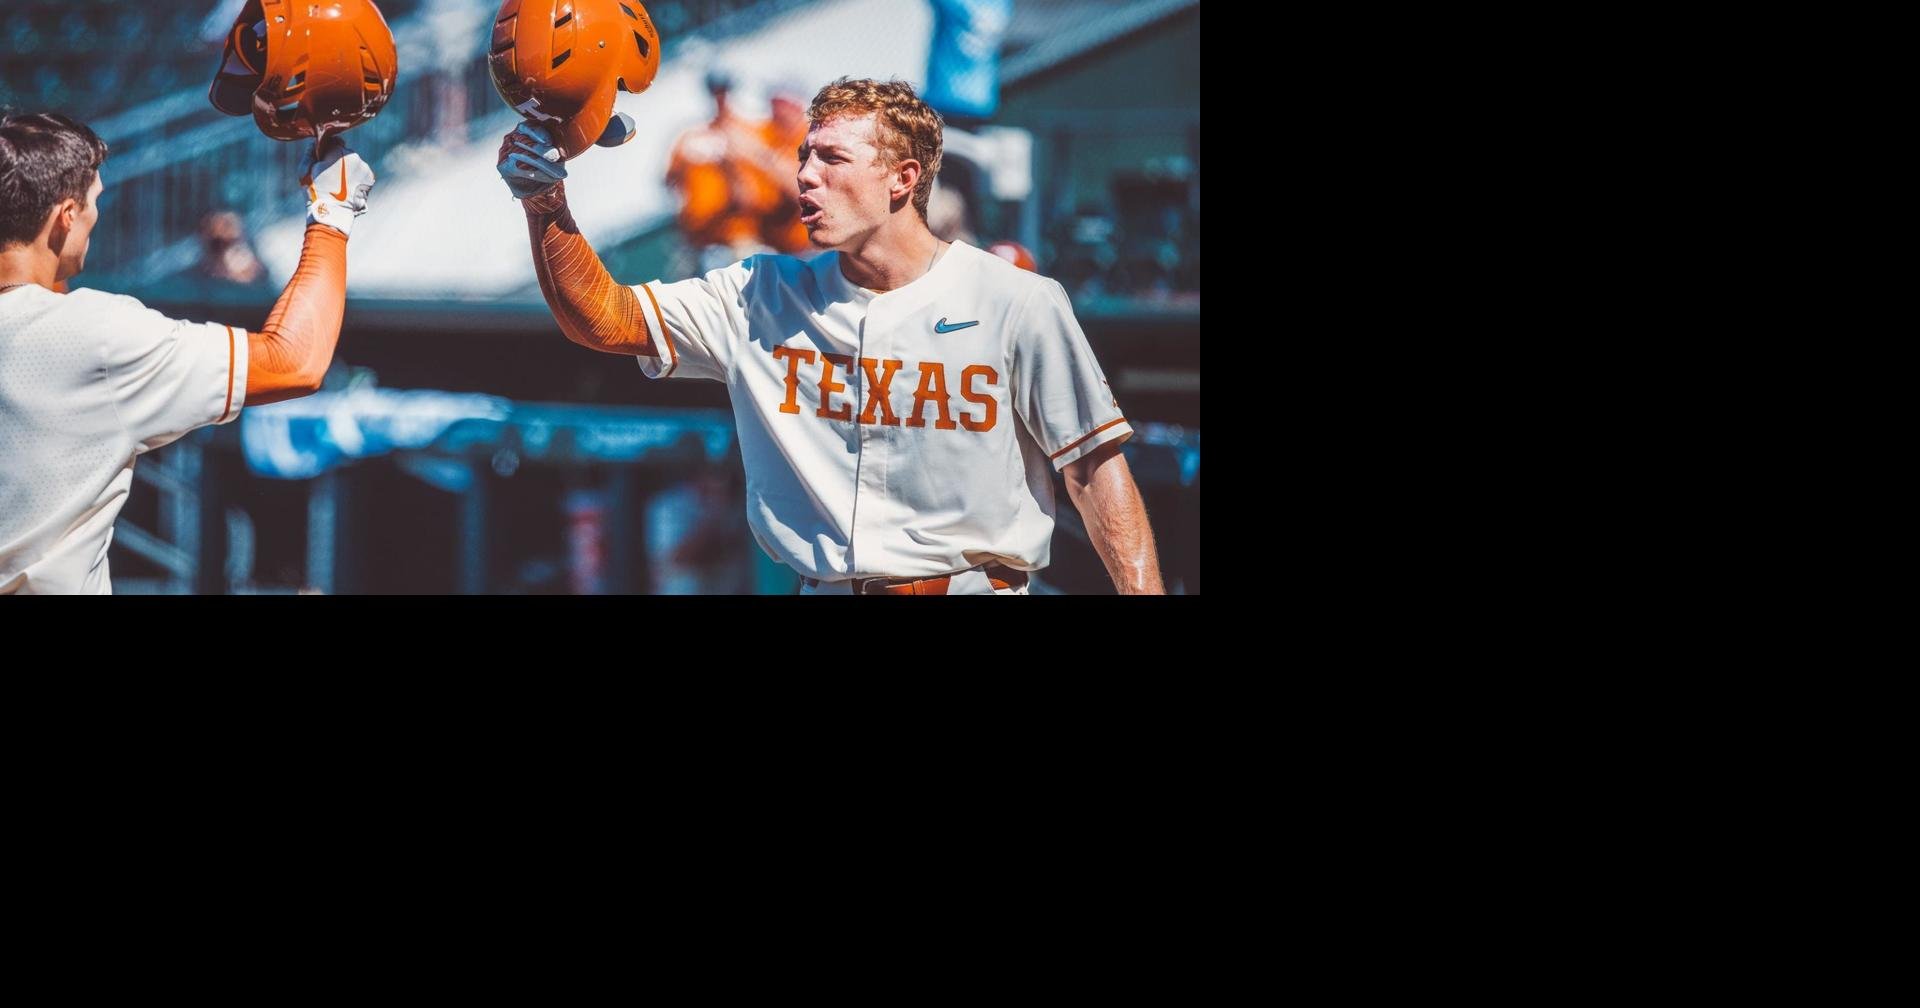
x=530, y=162
x=337, y=182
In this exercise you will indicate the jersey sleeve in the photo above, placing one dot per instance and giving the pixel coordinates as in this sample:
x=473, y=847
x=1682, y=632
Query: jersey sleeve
x=698, y=317
x=1058, y=388
x=171, y=376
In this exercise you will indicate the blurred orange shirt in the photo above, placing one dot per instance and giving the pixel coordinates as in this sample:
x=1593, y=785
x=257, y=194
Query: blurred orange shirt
x=780, y=226
x=722, y=196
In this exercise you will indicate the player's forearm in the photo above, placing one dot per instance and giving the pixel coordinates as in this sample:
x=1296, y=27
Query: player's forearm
x=592, y=309
x=1102, y=489
x=289, y=355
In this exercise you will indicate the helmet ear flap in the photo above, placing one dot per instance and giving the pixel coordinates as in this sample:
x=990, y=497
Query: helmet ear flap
x=619, y=130
x=232, y=94
x=243, y=64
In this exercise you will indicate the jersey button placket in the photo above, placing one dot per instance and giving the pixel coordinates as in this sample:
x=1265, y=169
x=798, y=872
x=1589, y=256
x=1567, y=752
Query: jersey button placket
x=857, y=385
x=856, y=381
x=870, y=485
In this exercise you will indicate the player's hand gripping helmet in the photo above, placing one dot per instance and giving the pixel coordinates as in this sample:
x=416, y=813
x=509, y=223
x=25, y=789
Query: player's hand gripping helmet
x=306, y=68
x=557, y=63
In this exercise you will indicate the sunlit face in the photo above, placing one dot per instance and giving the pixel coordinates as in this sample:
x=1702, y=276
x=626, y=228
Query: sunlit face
x=845, y=183
x=73, y=253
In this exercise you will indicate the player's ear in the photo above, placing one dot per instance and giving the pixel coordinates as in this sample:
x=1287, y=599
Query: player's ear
x=65, y=213
x=906, y=175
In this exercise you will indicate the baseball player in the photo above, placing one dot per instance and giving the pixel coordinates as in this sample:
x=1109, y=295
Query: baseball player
x=901, y=402
x=89, y=381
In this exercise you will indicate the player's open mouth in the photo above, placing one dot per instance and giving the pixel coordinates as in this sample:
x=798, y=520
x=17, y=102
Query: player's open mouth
x=810, y=212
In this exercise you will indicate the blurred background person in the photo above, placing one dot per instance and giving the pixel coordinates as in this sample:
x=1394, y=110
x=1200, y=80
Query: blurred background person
x=714, y=167
x=780, y=138
x=226, y=256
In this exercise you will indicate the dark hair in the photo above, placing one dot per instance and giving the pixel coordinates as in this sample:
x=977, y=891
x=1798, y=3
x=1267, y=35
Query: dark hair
x=45, y=157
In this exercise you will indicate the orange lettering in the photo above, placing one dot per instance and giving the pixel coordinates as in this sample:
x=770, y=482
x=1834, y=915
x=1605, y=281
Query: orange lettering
x=983, y=398
x=793, y=357
x=877, y=391
x=828, y=387
x=933, y=385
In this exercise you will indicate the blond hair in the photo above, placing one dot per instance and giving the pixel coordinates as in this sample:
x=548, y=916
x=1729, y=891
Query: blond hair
x=905, y=126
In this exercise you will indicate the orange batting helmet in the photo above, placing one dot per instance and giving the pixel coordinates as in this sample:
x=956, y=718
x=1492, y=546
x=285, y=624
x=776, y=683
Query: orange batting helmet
x=557, y=63
x=306, y=68
x=1015, y=253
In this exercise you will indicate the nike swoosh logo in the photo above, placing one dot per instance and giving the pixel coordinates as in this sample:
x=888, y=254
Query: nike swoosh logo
x=942, y=326
x=342, y=194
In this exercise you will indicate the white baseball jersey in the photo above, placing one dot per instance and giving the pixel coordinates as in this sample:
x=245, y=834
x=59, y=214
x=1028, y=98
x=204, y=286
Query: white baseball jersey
x=901, y=434
x=89, y=381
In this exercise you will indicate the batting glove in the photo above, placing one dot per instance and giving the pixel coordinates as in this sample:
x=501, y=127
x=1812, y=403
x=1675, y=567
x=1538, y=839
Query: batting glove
x=337, y=182
x=530, y=162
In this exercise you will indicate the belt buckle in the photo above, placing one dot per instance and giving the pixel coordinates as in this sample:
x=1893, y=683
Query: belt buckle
x=872, y=585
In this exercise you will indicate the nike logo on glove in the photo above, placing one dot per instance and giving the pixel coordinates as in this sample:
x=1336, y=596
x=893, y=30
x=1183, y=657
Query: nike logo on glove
x=313, y=192
x=942, y=326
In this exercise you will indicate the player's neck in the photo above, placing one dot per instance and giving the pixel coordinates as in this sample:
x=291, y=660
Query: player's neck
x=29, y=263
x=887, y=262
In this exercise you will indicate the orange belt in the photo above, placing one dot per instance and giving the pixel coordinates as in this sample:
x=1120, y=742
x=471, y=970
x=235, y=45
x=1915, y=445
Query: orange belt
x=1001, y=577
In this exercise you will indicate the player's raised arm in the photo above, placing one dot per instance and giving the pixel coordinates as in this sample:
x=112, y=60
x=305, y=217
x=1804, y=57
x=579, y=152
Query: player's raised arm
x=559, y=65
x=593, y=309
x=287, y=357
